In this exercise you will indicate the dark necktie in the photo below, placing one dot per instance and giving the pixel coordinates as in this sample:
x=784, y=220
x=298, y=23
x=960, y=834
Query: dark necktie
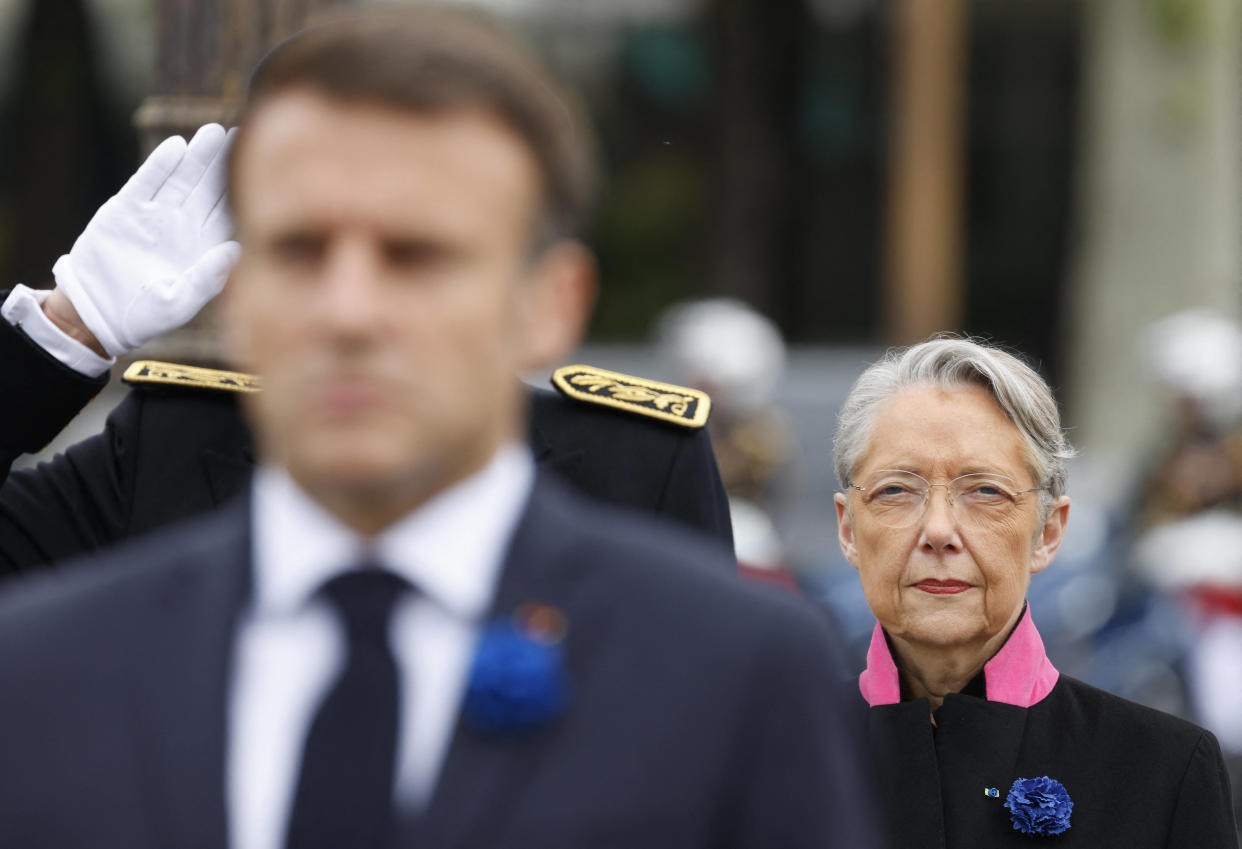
x=344, y=793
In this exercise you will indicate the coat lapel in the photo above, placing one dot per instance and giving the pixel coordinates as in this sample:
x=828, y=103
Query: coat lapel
x=978, y=743
x=483, y=774
x=180, y=689
x=903, y=749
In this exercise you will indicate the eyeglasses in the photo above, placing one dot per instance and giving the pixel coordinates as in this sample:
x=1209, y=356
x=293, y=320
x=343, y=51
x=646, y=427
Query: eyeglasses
x=898, y=499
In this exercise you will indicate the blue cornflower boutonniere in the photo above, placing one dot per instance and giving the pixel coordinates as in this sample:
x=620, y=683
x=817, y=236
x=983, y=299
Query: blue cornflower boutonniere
x=518, y=681
x=1039, y=806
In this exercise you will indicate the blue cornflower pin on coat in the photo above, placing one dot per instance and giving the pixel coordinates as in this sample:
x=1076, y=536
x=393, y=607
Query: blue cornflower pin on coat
x=1039, y=806
x=517, y=680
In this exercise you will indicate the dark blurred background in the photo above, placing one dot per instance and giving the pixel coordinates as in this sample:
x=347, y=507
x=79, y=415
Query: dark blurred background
x=747, y=145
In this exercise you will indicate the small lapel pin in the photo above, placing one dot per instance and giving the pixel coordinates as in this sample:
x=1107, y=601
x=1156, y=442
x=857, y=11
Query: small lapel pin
x=991, y=792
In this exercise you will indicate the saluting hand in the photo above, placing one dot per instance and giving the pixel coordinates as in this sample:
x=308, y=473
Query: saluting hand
x=154, y=253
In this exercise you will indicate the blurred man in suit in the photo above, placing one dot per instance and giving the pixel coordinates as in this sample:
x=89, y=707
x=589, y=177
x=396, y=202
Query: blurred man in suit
x=405, y=635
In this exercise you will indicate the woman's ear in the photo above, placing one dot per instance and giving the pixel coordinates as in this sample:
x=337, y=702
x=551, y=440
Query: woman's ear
x=845, y=529
x=562, y=296
x=1051, y=535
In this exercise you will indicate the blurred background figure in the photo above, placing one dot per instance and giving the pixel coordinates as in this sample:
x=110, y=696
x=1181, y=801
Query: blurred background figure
x=737, y=356
x=1195, y=358
x=1189, y=513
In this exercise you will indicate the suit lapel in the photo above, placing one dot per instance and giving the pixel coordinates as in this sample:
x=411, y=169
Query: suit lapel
x=180, y=688
x=482, y=774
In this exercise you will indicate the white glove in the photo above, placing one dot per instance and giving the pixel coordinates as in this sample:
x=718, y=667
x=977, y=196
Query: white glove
x=157, y=251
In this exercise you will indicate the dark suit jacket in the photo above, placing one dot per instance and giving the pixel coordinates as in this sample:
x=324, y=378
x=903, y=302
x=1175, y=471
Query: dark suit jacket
x=704, y=711
x=172, y=452
x=1138, y=778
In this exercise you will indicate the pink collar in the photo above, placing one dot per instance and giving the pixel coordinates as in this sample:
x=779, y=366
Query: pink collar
x=1019, y=674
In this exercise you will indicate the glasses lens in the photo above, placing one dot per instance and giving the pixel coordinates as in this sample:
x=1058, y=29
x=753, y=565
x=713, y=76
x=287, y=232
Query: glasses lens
x=896, y=499
x=984, y=498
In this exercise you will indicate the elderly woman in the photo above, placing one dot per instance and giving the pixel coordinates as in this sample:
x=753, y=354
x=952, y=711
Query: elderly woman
x=952, y=467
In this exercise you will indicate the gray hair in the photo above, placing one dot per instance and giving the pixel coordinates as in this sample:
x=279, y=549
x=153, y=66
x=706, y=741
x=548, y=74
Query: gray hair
x=952, y=362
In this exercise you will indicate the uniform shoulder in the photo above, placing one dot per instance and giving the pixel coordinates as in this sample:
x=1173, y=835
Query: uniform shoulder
x=152, y=374
x=666, y=402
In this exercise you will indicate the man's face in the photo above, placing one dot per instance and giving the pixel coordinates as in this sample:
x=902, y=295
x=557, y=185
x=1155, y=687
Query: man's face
x=384, y=294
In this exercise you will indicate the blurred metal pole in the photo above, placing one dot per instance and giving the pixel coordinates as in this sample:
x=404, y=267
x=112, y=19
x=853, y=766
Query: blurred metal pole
x=1159, y=209
x=205, y=52
x=923, y=278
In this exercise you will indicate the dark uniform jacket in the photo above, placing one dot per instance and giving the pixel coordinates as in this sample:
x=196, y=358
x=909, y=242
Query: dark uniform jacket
x=169, y=452
x=718, y=729
x=1138, y=778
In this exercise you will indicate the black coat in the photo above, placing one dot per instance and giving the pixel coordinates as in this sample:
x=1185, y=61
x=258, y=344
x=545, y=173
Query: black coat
x=1138, y=778
x=703, y=712
x=170, y=452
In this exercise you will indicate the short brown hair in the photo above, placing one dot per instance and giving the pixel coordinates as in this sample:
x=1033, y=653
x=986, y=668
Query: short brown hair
x=435, y=59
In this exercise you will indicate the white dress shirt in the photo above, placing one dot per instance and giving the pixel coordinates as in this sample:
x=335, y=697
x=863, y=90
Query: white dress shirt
x=24, y=308
x=291, y=645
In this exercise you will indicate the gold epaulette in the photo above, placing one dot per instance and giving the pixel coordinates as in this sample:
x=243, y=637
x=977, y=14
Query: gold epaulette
x=665, y=401
x=196, y=377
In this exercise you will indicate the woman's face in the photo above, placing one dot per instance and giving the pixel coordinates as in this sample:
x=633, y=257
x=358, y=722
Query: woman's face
x=953, y=577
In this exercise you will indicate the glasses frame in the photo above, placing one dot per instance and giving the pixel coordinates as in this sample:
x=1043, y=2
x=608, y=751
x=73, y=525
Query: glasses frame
x=948, y=492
